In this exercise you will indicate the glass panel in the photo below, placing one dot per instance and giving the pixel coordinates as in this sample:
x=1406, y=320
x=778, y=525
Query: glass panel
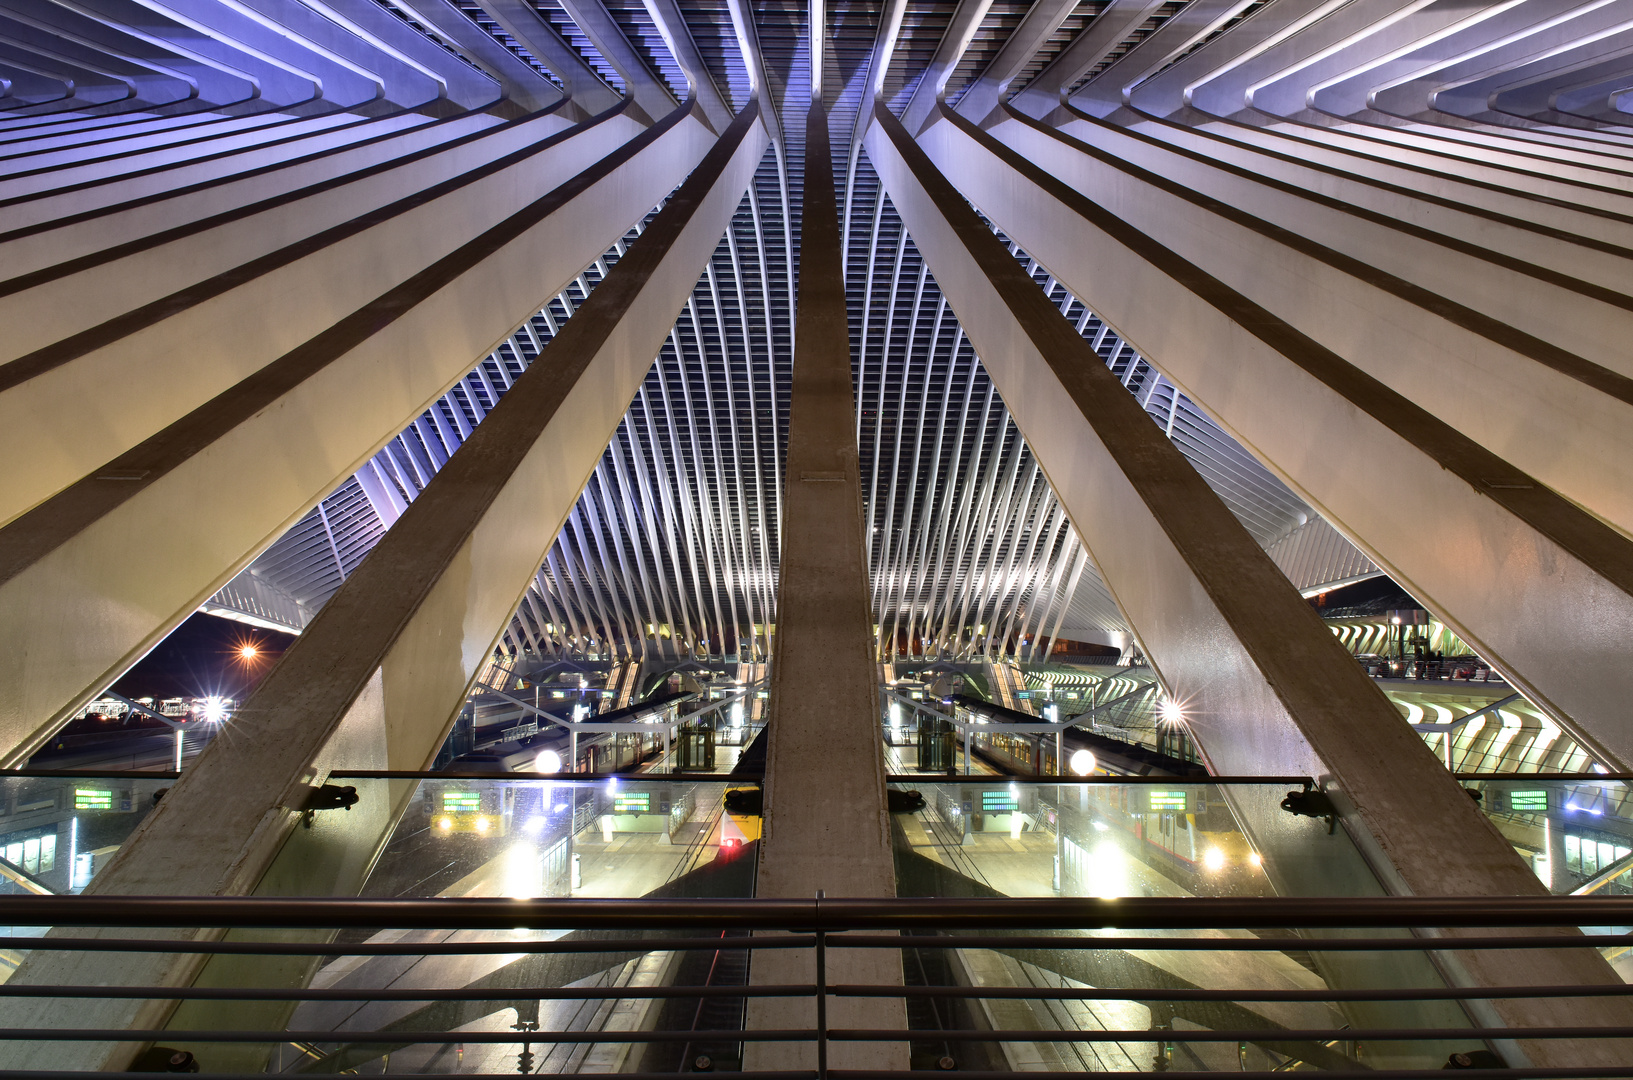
x=979, y=836
x=526, y=837
x=1570, y=831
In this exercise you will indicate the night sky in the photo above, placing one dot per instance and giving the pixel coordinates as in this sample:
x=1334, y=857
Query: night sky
x=201, y=658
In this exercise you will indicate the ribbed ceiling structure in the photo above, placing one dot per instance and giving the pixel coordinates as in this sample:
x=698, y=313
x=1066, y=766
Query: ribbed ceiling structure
x=673, y=547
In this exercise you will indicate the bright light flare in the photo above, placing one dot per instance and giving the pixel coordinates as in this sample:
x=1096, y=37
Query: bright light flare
x=1214, y=860
x=524, y=872
x=215, y=710
x=548, y=761
x=1083, y=762
x=1170, y=712
x=445, y=824
x=482, y=825
x=1255, y=859
x=246, y=651
x=1109, y=872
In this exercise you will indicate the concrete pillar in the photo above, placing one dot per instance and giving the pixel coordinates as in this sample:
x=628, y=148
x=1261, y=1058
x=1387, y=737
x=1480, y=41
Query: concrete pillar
x=91, y=578
x=826, y=827
x=377, y=677
x=1483, y=518
x=1264, y=684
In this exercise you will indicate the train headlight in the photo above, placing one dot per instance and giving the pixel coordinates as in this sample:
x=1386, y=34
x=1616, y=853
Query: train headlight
x=1083, y=762
x=445, y=823
x=482, y=824
x=548, y=761
x=1214, y=859
x=1256, y=859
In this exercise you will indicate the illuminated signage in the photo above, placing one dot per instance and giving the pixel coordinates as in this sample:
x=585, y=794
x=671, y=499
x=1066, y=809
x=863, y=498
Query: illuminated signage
x=1167, y=802
x=632, y=802
x=92, y=799
x=461, y=802
x=1532, y=801
x=998, y=802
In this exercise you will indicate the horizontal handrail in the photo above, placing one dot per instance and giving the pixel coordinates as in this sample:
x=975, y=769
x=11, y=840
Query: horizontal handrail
x=539, y=1035
x=1104, y=993
x=1544, y=777
x=506, y=993
x=822, y=915
x=973, y=993
x=704, y=777
x=411, y=948
x=1119, y=781
x=100, y=774
x=619, y=929
x=558, y=778
x=1598, y=1073
x=805, y=941
x=398, y=1038
x=1232, y=1035
x=1403, y=943
x=763, y=1074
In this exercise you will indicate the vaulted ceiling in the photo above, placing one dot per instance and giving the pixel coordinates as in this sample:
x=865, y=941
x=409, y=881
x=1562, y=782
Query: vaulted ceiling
x=673, y=546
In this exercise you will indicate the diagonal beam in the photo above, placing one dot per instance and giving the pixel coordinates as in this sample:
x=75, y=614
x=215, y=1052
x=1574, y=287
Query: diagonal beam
x=992, y=86
x=603, y=30
x=932, y=86
x=356, y=370
x=1266, y=685
x=377, y=678
x=671, y=25
x=523, y=22
x=1548, y=525
x=1115, y=22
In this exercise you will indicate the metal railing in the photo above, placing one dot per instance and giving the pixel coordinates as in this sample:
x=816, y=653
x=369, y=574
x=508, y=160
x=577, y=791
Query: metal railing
x=1452, y=669
x=1014, y=928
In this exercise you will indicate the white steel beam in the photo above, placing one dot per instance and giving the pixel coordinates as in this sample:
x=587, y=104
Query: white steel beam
x=1266, y=687
x=94, y=576
x=1484, y=517
x=377, y=678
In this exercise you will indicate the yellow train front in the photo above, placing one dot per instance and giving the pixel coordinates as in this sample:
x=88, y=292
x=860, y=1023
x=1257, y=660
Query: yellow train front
x=473, y=809
x=740, y=820
x=1180, y=833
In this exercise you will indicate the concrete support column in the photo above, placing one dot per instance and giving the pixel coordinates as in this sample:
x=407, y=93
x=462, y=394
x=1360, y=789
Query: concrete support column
x=1266, y=686
x=376, y=679
x=826, y=826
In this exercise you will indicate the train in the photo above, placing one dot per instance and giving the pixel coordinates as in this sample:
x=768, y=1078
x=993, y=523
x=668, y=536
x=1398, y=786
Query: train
x=505, y=738
x=1183, y=832
x=741, y=819
x=1033, y=755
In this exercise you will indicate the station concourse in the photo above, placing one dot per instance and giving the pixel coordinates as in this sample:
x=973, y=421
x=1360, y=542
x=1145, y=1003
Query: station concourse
x=714, y=452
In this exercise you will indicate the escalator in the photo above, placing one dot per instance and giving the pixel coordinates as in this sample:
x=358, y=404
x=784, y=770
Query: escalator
x=724, y=968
